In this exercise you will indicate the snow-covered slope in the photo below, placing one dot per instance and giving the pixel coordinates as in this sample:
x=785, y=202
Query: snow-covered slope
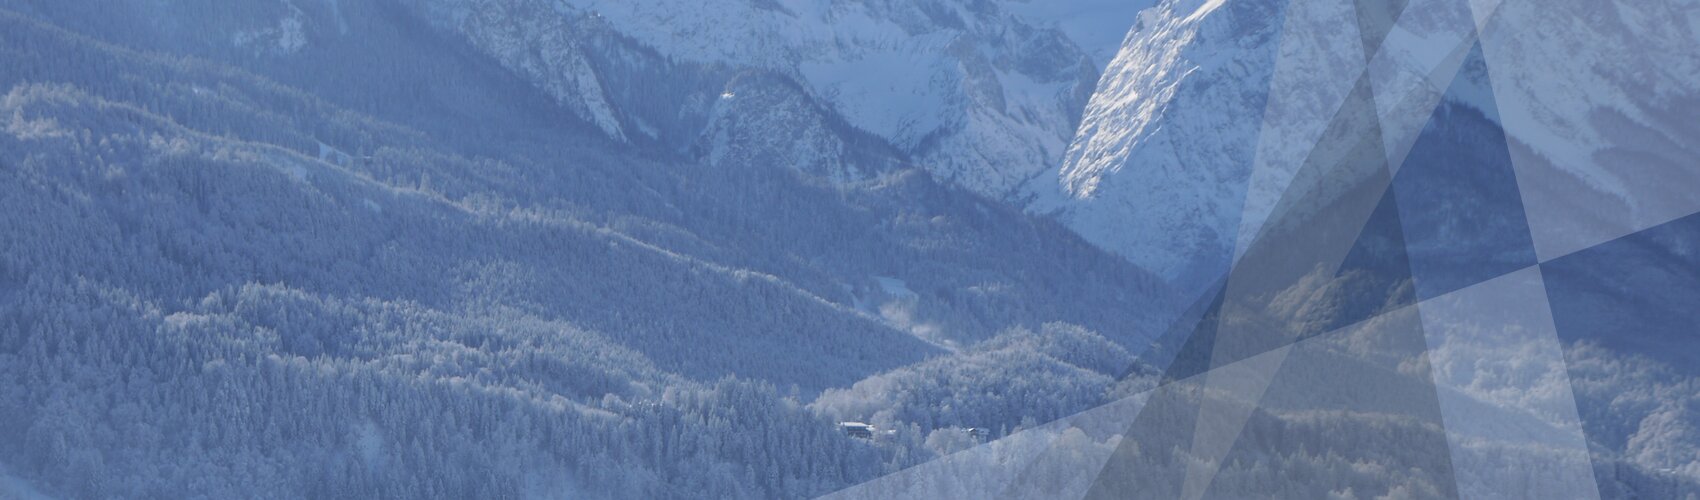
x=1096, y=26
x=972, y=93
x=552, y=56
x=1600, y=97
x=389, y=264
x=766, y=119
x=1202, y=120
x=517, y=248
x=1158, y=170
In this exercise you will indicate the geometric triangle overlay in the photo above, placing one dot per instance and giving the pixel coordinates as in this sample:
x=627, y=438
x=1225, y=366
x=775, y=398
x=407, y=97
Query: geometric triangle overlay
x=1470, y=317
x=1458, y=198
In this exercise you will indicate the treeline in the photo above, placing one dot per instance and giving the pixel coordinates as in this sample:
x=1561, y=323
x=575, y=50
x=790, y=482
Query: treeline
x=193, y=303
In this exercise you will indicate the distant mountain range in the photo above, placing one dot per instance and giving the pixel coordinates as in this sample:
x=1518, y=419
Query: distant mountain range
x=658, y=248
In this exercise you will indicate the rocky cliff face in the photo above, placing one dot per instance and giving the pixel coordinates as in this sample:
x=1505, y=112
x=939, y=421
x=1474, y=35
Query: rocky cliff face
x=1173, y=159
x=969, y=91
x=1202, y=121
x=1167, y=143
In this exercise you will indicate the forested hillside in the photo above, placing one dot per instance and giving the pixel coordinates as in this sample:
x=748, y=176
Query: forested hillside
x=220, y=284
x=663, y=249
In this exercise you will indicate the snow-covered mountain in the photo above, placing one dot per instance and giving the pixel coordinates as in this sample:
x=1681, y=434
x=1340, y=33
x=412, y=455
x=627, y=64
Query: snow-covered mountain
x=1172, y=159
x=1159, y=168
x=1210, y=108
x=1204, y=113
x=972, y=92
x=765, y=119
x=322, y=249
x=658, y=248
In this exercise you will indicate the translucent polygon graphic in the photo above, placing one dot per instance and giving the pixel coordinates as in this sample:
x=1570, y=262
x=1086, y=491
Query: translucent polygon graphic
x=1288, y=287
x=1269, y=295
x=1376, y=274
x=1353, y=413
x=1416, y=65
x=1055, y=460
x=1135, y=168
x=1457, y=194
x=1185, y=350
x=1292, y=281
x=1158, y=456
x=1428, y=174
x=1637, y=295
x=1375, y=20
x=1071, y=463
x=1320, y=55
x=1598, y=100
x=1511, y=422
x=1626, y=314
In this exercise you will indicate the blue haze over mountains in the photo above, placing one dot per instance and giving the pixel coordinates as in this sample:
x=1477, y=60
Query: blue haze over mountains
x=659, y=249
